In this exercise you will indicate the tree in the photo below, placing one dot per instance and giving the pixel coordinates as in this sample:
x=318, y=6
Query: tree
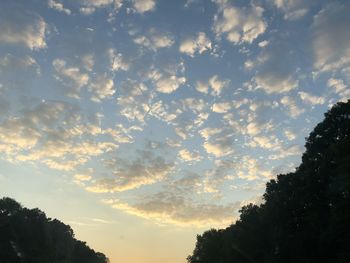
x=28, y=236
x=306, y=213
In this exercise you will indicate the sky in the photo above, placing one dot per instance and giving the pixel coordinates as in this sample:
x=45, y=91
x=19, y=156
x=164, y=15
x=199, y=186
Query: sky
x=142, y=123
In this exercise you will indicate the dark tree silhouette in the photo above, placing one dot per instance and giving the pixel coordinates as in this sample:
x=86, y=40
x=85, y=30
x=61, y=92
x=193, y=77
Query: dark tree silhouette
x=305, y=215
x=28, y=236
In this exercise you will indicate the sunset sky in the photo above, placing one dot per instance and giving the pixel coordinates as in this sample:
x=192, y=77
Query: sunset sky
x=142, y=123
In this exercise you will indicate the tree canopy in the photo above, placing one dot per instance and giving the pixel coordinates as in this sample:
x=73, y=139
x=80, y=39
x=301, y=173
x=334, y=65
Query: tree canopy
x=28, y=236
x=305, y=214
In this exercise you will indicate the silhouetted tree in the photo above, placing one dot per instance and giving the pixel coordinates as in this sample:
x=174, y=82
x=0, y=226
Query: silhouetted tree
x=28, y=236
x=306, y=214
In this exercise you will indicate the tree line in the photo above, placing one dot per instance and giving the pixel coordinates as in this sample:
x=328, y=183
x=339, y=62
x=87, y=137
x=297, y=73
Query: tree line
x=28, y=236
x=305, y=215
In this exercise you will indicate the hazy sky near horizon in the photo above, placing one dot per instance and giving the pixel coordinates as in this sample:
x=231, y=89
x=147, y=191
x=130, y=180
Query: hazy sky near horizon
x=144, y=122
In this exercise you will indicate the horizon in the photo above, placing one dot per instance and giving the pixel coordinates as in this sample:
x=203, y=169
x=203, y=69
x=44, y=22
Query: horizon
x=142, y=123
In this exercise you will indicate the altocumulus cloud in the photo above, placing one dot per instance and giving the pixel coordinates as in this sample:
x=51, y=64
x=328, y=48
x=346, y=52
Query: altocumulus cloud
x=200, y=44
x=23, y=27
x=331, y=42
x=239, y=25
x=142, y=6
x=293, y=9
x=221, y=102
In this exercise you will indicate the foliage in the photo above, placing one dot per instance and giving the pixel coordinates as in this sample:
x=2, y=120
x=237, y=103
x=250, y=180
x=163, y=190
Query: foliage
x=28, y=236
x=305, y=215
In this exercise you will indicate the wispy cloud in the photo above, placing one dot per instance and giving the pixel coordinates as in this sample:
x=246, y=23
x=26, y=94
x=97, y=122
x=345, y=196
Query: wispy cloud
x=169, y=208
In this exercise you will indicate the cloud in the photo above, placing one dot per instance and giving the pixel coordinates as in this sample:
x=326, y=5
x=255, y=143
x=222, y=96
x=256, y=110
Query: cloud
x=266, y=142
x=164, y=112
x=339, y=87
x=59, y=7
x=250, y=169
x=96, y=3
x=10, y=62
x=311, y=99
x=89, y=6
x=142, y=6
x=182, y=132
x=337, y=84
x=134, y=99
x=16, y=133
x=102, y=87
x=293, y=9
x=196, y=45
x=249, y=64
x=217, y=175
x=286, y=151
x=190, y=183
x=88, y=62
x=206, y=133
x=167, y=80
x=117, y=61
x=261, y=105
x=120, y=134
x=51, y=133
x=202, y=87
x=185, y=115
x=219, y=148
x=293, y=109
x=71, y=77
x=205, y=116
x=15, y=70
x=169, y=84
x=276, y=69
x=254, y=128
x=218, y=142
x=221, y=107
x=190, y=2
x=64, y=151
x=87, y=10
x=63, y=165
x=263, y=43
x=215, y=83
x=270, y=82
x=186, y=124
x=21, y=27
x=148, y=168
x=188, y=156
x=154, y=40
x=331, y=43
x=239, y=24
x=170, y=208
x=290, y=135
x=258, y=126
x=195, y=105
x=82, y=177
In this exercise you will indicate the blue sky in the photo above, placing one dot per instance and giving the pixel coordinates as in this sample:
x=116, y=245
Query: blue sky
x=161, y=115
